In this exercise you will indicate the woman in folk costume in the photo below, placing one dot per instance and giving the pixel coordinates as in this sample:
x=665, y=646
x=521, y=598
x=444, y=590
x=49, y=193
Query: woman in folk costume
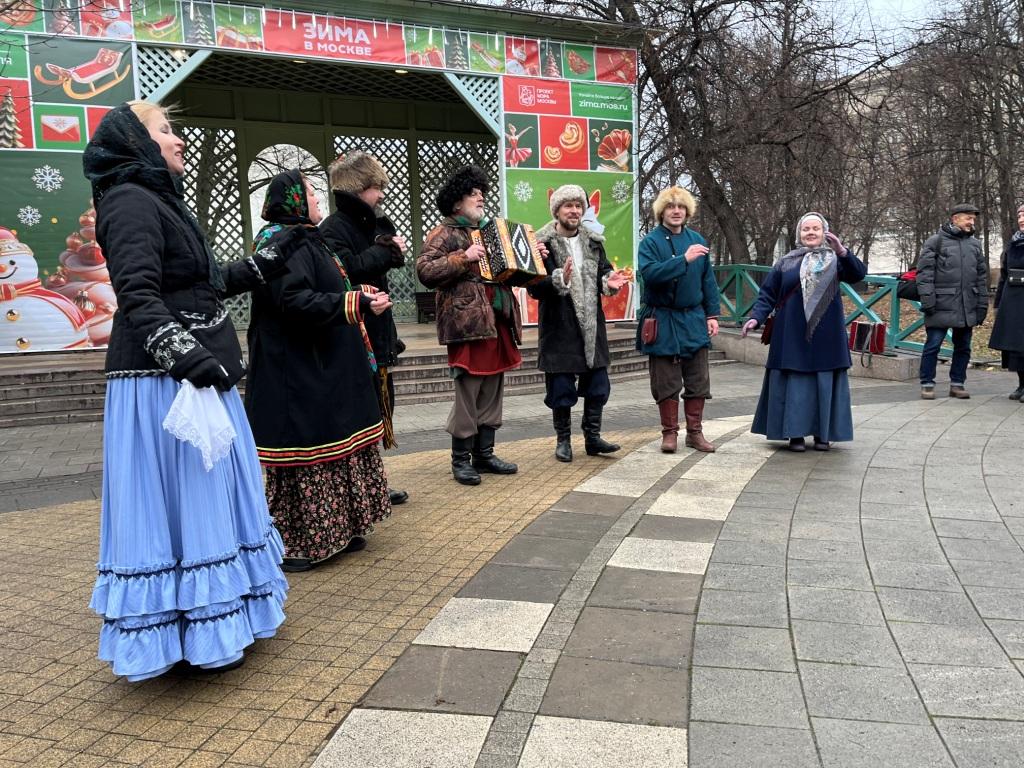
x=189, y=557
x=806, y=389
x=311, y=396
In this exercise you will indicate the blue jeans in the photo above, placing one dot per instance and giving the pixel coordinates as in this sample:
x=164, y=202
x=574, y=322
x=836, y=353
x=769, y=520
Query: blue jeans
x=961, y=355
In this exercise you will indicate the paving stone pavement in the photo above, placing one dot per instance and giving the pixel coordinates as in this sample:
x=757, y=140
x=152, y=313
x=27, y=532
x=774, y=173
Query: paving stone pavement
x=754, y=607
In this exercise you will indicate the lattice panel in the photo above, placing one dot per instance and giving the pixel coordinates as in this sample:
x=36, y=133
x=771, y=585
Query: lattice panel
x=485, y=92
x=156, y=66
x=393, y=154
x=439, y=158
x=213, y=191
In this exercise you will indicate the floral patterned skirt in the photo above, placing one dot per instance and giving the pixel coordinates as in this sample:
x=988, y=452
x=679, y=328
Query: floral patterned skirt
x=319, y=509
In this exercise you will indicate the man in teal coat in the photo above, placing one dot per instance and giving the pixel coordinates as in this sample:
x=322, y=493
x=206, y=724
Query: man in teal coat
x=678, y=316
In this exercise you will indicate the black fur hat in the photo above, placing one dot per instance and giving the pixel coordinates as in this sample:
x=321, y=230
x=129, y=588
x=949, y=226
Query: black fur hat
x=462, y=182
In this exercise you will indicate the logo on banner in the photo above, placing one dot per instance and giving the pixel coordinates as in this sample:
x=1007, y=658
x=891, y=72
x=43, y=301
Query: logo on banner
x=527, y=96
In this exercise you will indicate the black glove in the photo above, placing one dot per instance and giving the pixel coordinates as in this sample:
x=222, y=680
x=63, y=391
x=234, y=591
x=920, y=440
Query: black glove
x=397, y=257
x=203, y=371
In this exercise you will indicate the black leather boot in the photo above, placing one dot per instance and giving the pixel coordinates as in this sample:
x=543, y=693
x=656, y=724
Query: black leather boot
x=594, y=443
x=484, y=459
x=562, y=419
x=462, y=469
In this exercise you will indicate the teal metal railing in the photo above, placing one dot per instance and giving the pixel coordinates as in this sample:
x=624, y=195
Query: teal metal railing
x=739, y=285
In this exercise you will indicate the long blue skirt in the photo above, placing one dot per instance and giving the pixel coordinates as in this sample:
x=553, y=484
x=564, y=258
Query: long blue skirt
x=795, y=404
x=189, y=564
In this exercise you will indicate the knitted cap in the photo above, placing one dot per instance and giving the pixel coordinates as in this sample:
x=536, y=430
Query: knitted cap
x=357, y=171
x=676, y=195
x=567, y=193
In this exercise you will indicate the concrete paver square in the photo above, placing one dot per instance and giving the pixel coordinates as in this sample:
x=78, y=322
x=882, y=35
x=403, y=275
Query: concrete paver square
x=656, y=555
x=720, y=745
x=374, y=738
x=843, y=606
x=593, y=503
x=986, y=573
x=596, y=689
x=968, y=646
x=543, y=552
x=857, y=744
x=745, y=696
x=970, y=529
x=632, y=475
x=750, y=609
x=845, y=644
x=998, y=603
x=646, y=590
x=559, y=742
x=463, y=681
x=677, y=529
x=911, y=551
x=750, y=552
x=517, y=582
x=896, y=573
x=1010, y=635
x=927, y=606
x=570, y=525
x=745, y=578
x=1004, y=550
x=494, y=625
x=832, y=551
x=639, y=637
x=841, y=575
x=679, y=505
x=981, y=744
x=861, y=693
x=976, y=692
x=717, y=645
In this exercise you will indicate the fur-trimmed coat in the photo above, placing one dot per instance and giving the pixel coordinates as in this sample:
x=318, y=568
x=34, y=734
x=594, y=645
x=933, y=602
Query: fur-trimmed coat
x=464, y=313
x=573, y=338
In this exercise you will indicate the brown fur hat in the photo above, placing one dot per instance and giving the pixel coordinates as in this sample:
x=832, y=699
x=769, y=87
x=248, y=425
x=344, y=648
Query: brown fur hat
x=674, y=195
x=357, y=171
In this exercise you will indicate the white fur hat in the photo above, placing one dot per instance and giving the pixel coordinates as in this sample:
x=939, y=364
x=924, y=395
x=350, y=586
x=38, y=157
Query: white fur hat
x=565, y=194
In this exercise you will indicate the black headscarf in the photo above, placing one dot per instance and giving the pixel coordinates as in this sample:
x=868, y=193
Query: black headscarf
x=285, y=206
x=121, y=151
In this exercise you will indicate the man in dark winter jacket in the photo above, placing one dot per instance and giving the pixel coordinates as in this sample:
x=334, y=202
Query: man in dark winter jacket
x=952, y=278
x=573, y=341
x=368, y=246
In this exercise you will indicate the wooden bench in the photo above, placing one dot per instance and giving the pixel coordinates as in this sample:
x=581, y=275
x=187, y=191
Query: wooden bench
x=426, y=307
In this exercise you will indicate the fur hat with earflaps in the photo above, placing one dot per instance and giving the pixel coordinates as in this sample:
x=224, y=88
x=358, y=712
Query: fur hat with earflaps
x=565, y=194
x=357, y=171
x=676, y=195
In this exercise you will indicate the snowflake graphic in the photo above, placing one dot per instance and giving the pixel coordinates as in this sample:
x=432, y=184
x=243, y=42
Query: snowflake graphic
x=29, y=216
x=523, y=191
x=622, y=191
x=48, y=179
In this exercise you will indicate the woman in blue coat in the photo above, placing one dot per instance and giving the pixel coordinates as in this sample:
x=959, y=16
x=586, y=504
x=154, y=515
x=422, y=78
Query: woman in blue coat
x=806, y=389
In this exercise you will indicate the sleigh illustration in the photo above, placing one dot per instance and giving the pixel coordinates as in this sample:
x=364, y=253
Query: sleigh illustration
x=162, y=27
x=97, y=76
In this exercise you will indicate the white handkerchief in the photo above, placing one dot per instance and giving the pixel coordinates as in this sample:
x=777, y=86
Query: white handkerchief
x=198, y=417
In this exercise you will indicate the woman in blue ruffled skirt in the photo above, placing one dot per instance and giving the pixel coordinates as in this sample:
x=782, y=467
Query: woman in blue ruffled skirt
x=189, y=564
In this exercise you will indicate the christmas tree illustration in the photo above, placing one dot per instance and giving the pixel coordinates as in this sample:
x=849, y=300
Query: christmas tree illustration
x=10, y=132
x=200, y=32
x=456, y=52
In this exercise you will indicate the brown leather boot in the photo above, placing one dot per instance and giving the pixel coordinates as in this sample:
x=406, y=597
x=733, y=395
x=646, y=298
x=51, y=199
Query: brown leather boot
x=694, y=410
x=669, y=410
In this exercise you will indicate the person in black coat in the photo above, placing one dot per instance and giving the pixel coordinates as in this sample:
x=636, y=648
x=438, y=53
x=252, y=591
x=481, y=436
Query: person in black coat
x=952, y=280
x=1008, y=329
x=573, y=346
x=369, y=247
x=310, y=396
x=189, y=559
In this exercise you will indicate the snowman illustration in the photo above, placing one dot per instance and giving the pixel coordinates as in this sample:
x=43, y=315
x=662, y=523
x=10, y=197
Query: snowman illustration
x=33, y=318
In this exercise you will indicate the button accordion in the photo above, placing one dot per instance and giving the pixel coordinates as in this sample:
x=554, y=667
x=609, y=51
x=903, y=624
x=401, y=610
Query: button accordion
x=512, y=257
